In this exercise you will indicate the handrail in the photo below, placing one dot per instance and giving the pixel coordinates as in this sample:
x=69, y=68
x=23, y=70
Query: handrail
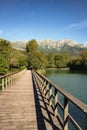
x=2, y=76
x=51, y=92
x=8, y=79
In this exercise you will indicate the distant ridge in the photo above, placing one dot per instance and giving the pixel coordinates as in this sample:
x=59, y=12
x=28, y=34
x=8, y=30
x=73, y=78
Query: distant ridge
x=47, y=46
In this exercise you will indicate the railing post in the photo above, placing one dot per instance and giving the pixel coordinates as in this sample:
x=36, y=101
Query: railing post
x=65, y=113
x=50, y=102
x=11, y=79
x=56, y=101
x=2, y=83
x=6, y=81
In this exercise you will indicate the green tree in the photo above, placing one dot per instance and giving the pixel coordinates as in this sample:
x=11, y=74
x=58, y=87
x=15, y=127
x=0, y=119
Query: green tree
x=61, y=60
x=6, y=49
x=83, y=55
x=31, y=46
x=36, y=59
x=10, y=58
x=18, y=59
x=3, y=65
x=75, y=63
x=80, y=62
x=51, y=62
x=31, y=50
x=42, y=59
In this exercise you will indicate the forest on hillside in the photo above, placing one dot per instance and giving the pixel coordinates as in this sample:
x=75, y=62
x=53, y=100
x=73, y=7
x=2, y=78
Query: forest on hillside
x=12, y=59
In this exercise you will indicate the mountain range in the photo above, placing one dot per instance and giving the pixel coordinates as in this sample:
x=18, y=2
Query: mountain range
x=47, y=46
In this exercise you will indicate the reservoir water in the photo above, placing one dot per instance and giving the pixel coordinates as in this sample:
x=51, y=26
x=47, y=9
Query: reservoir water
x=75, y=83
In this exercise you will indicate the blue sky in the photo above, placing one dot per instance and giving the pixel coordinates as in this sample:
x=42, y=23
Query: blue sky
x=43, y=19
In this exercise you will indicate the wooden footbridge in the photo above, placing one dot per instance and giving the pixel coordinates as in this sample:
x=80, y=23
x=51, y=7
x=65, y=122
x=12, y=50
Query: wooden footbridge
x=29, y=101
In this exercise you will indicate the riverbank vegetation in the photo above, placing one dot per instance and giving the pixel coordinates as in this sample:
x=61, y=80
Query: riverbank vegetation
x=37, y=59
x=12, y=59
x=79, y=63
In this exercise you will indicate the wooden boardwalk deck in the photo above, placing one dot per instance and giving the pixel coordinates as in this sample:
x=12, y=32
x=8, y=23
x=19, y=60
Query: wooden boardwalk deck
x=24, y=107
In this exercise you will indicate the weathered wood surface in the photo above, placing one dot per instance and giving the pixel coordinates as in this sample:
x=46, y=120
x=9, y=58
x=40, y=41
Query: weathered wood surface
x=23, y=107
x=17, y=106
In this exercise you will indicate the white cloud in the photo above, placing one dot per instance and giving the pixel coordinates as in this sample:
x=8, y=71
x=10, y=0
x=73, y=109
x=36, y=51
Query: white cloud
x=78, y=26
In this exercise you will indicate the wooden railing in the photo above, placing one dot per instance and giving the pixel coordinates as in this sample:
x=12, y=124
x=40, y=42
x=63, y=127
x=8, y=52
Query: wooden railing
x=71, y=112
x=8, y=79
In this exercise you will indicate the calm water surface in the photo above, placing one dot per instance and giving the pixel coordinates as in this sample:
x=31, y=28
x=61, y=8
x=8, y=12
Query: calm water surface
x=74, y=83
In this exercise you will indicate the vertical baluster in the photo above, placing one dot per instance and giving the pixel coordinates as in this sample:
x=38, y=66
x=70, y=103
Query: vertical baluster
x=44, y=88
x=11, y=79
x=47, y=90
x=6, y=81
x=40, y=82
x=3, y=84
x=51, y=96
x=44, y=83
x=56, y=104
x=65, y=113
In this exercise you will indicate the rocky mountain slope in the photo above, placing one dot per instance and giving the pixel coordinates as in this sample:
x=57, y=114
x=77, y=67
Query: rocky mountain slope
x=47, y=46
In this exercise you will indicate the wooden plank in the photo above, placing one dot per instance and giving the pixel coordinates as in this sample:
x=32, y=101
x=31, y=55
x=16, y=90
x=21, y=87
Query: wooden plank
x=17, y=106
